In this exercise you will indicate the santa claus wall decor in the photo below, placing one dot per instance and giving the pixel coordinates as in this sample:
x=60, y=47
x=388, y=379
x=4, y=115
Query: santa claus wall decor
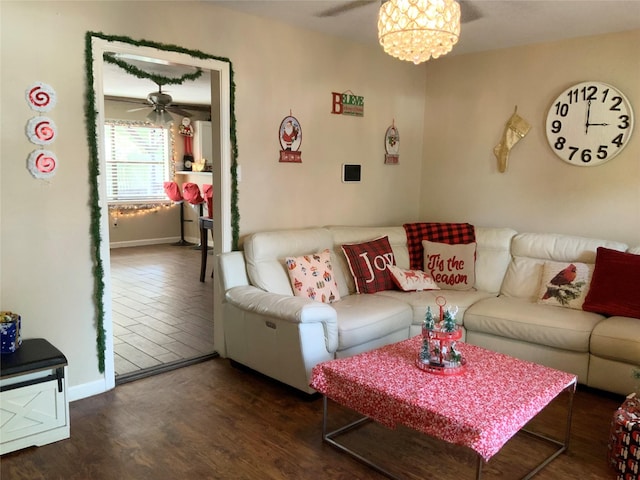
x=290, y=137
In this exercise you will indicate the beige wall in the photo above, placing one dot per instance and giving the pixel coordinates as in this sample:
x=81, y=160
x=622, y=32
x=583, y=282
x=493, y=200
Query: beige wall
x=468, y=100
x=46, y=258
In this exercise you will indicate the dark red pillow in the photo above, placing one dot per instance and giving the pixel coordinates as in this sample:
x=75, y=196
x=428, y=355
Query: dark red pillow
x=615, y=284
x=368, y=264
x=451, y=233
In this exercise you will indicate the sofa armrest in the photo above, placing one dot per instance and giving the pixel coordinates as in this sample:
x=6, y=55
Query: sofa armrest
x=287, y=308
x=232, y=270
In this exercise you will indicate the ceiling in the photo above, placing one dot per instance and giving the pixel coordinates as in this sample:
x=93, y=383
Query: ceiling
x=501, y=24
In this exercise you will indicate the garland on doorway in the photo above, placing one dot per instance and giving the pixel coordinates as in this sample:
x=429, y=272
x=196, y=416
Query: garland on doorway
x=94, y=170
x=159, y=79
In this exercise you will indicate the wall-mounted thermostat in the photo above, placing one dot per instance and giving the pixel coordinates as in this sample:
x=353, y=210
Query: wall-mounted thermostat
x=351, y=173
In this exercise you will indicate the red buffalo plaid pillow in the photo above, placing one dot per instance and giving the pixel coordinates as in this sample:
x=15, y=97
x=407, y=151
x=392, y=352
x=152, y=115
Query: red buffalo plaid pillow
x=451, y=233
x=368, y=263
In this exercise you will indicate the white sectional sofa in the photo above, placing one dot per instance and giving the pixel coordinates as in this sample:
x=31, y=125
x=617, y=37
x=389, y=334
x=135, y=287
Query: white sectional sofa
x=284, y=336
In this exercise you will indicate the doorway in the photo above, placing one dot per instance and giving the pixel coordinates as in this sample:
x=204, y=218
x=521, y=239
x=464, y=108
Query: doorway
x=222, y=181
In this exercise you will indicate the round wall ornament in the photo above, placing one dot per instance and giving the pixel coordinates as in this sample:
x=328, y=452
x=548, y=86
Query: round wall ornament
x=41, y=97
x=41, y=130
x=42, y=164
x=589, y=123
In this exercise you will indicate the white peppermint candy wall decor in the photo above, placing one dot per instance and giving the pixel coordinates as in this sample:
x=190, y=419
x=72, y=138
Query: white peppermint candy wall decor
x=41, y=97
x=41, y=130
x=42, y=163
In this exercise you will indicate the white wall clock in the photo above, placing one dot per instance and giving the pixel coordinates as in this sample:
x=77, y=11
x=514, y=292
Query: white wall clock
x=589, y=123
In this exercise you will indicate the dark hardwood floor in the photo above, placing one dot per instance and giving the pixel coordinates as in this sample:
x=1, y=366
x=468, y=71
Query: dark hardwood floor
x=214, y=421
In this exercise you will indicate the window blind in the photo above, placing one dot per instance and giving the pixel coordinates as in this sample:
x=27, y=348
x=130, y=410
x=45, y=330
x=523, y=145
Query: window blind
x=138, y=161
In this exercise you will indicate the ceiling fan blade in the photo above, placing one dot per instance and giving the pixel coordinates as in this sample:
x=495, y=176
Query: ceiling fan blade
x=137, y=109
x=345, y=7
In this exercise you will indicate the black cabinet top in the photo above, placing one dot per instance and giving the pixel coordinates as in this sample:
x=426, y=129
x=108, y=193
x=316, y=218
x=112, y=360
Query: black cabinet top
x=34, y=354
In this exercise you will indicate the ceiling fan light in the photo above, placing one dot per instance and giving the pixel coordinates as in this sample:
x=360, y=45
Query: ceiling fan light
x=417, y=30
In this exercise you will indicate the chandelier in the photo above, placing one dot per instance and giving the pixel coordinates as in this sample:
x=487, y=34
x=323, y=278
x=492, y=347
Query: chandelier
x=417, y=30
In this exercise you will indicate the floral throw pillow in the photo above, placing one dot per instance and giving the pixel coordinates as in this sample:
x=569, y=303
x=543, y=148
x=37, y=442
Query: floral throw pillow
x=412, y=280
x=453, y=267
x=312, y=276
x=565, y=284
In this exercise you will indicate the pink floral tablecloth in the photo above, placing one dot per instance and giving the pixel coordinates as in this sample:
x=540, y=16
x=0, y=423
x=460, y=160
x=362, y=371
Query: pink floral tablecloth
x=482, y=408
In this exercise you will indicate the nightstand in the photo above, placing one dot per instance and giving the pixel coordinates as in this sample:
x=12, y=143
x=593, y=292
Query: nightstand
x=34, y=409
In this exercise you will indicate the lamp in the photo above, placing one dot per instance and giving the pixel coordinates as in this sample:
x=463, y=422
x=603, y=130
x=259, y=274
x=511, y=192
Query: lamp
x=417, y=30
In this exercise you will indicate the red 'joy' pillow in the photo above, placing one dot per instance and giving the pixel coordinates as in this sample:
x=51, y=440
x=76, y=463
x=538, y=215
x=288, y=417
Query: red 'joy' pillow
x=368, y=264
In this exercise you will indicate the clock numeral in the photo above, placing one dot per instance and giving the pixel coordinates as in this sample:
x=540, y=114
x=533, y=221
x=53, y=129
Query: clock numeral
x=573, y=152
x=625, y=122
x=589, y=93
x=556, y=126
x=618, y=141
x=605, y=92
x=585, y=156
x=559, y=145
x=616, y=103
x=602, y=152
x=562, y=109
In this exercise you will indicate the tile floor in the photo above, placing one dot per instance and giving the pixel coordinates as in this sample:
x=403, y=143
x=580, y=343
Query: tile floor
x=162, y=313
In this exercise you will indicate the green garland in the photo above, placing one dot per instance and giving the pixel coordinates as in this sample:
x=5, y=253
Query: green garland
x=159, y=79
x=94, y=162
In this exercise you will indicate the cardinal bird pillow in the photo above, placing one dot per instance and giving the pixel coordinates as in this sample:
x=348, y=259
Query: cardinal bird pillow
x=565, y=284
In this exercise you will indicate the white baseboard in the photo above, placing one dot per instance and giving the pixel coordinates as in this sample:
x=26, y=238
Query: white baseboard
x=85, y=390
x=151, y=241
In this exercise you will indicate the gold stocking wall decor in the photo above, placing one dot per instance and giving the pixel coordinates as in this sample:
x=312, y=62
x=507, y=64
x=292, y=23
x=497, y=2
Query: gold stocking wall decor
x=515, y=129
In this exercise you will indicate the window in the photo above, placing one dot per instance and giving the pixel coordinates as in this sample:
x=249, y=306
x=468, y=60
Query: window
x=138, y=162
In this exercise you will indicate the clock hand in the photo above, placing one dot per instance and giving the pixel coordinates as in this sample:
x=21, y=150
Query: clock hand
x=598, y=124
x=586, y=126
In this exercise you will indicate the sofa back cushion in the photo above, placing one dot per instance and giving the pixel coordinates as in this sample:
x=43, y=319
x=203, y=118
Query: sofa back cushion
x=531, y=250
x=493, y=255
x=265, y=254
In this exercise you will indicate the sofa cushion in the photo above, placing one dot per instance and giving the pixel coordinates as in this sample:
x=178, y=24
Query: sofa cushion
x=531, y=250
x=519, y=319
x=411, y=280
x=451, y=266
x=368, y=263
x=312, y=277
x=451, y=233
x=265, y=253
x=493, y=254
x=617, y=338
x=564, y=284
x=362, y=318
x=419, y=301
x=615, y=287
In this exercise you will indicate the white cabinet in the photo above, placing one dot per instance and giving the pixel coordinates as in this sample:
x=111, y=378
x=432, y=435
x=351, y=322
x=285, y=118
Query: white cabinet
x=34, y=409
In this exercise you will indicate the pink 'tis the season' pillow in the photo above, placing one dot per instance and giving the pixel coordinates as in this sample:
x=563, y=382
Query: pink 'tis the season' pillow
x=452, y=266
x=312, y=276
x=412, y=280
x=368, y=264
x=615, y=284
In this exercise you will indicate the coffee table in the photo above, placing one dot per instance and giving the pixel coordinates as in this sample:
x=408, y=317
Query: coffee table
x=481, y=409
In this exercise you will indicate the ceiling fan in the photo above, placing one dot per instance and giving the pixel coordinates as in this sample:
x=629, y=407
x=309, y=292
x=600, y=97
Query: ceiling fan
x=161, y=104
x=468, y=11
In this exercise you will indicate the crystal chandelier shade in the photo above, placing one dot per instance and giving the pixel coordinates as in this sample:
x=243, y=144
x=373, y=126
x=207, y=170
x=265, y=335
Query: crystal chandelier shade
x=417, y=30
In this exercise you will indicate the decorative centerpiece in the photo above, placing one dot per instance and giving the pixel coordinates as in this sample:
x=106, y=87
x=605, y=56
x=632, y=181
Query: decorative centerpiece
x=439, y=353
